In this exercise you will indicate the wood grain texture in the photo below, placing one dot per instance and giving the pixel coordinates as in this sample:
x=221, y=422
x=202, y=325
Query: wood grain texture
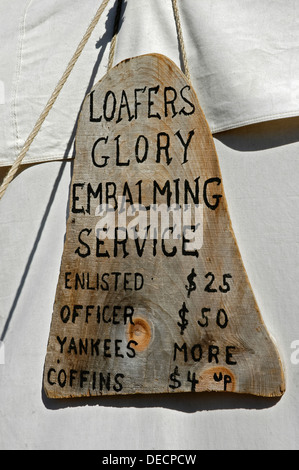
x=152, y=316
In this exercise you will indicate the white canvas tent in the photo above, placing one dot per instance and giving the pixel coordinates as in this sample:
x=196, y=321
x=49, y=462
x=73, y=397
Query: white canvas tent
x=243, y=60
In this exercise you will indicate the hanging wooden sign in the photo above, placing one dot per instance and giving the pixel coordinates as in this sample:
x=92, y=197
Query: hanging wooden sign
x=152, y=295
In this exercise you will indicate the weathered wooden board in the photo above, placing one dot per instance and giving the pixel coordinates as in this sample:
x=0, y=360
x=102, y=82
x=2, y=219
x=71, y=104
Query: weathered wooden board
x=152, y=315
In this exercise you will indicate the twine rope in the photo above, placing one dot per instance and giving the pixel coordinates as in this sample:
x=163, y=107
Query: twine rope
x=17, y=163
x=14, y=168
x=181, y=38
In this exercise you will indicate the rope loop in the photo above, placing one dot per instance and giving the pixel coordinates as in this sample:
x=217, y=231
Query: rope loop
x=16, y=165
x=14, y=168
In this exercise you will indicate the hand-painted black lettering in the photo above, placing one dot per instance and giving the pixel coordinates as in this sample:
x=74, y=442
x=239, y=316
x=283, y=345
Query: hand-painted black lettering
x=61, y=378
x=174, y=250
x=83, y=254
x=227, y=380
x=109, y=106
x=186, y=241
x=67, y=280
x=162, y=191
x=141, y=159
x=191, y=109
x=49, y=376
x=119, y=240
x=184, y=322
x=170, y=96
x=91, y=116
x=104, y=381
x=173, y=377
x=188, y=191
x=138, y=103
x=124, y=104
x=204, y=323
x=163, y=147
x=229, y=355
x=131, y=352
x=99, y=253
x=217, y=197
x=117, y=348
x=222, y=318
x=185, y=144
x=61, y=343
x=226, y=286
x=107, y=343
x=95, y=194
x=209, y=287
x=65, y=313
x=118, y=385
x=112, y=194
x=213, y=354
x=104, y=158
x=151, y=103
x=183, y=349
x=196, y=352
x=192, y=379
x=117, y=161
x=140, y=247
x=191, y=287
x=75, y=198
